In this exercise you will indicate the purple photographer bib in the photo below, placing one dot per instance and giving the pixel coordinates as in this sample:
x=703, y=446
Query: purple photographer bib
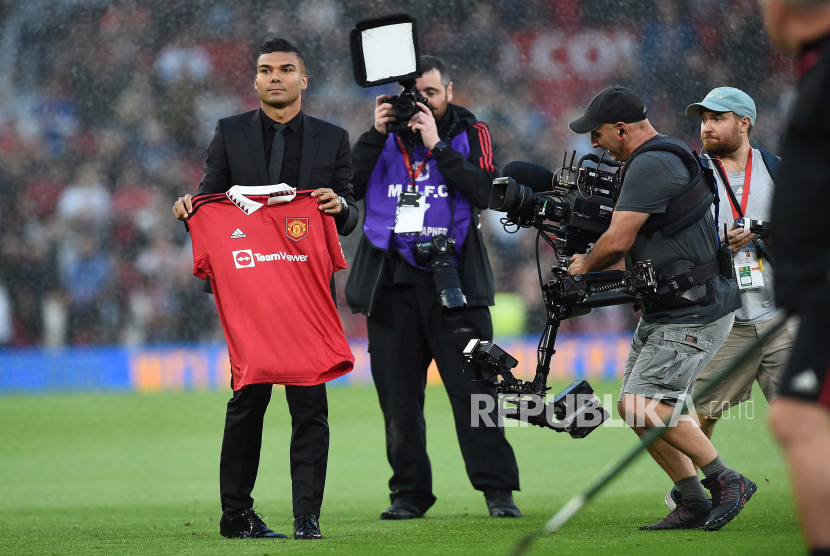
x=390, y=177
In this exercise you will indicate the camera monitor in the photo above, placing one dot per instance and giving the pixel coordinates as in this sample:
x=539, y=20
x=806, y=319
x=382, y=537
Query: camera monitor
x=385, y=49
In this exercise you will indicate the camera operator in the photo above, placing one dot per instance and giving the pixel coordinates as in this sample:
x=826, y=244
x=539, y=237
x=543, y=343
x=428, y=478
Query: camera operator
x=447, y=156
x=675, y=338
x=800, y=415
x=727, y=116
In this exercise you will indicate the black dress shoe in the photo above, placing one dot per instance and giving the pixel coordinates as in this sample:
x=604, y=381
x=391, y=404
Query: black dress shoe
x=248, y=525
x=401, y=510
x=500, y=503
x=306, y=526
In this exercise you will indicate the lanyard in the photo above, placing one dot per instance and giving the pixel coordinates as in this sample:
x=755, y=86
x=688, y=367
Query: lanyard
x=413, y=174
x=745, y=194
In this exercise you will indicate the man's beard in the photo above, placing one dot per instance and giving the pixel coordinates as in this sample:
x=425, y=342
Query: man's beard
x=439, y=109
x=724, y=145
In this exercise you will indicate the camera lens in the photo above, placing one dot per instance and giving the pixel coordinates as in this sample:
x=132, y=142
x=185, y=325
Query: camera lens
x=512, y=198
x=403, y=108
x=448, y=284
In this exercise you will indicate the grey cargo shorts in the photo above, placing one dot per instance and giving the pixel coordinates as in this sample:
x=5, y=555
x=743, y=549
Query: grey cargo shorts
x=665, y=359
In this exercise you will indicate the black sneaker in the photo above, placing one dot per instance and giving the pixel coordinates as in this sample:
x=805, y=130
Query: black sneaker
x=690, y=513
x=247, y=525
x=730, y=491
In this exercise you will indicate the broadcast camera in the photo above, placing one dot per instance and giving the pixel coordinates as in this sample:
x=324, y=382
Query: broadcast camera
x=580, y=199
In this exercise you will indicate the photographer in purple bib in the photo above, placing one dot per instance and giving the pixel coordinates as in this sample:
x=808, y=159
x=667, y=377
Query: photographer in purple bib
x=422, y=277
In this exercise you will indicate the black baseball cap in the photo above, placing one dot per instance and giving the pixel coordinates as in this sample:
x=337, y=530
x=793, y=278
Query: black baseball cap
x=614, y=104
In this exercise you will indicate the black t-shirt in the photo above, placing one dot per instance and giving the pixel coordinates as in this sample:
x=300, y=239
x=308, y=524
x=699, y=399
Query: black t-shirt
x=651, y=180
x=800, y=237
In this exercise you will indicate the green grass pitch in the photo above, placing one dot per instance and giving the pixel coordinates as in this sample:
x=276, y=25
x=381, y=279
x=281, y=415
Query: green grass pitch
x=138, y=474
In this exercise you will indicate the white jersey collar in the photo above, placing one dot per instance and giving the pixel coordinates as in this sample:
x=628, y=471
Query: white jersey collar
x=279, y=193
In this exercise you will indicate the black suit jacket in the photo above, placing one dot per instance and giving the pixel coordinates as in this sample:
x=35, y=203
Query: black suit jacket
x=236, y=157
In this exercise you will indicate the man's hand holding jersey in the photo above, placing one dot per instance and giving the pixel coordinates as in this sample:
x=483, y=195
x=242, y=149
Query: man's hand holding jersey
x=328, y=201
x=183, y=207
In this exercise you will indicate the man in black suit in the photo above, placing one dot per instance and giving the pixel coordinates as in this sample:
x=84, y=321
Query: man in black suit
x=278, y=143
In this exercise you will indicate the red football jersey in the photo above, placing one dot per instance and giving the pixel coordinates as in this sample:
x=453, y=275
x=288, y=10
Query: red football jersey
x=270, y=266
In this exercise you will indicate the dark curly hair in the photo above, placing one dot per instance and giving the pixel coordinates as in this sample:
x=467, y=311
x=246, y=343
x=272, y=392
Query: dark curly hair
x=278, y=44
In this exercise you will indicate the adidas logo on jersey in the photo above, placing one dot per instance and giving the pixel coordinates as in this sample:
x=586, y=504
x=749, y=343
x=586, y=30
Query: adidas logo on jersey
x=237, y=234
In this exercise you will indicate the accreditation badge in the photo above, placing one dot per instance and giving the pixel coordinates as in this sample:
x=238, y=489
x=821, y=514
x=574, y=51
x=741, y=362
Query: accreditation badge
x=409, y=216
x=749, y=269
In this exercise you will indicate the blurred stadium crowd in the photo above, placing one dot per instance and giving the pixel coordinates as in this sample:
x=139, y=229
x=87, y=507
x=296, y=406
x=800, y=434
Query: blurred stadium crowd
x=108, y=107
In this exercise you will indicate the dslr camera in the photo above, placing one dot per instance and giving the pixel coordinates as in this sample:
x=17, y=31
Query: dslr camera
x=437, y=253
x=760, y=228
x=404, y=106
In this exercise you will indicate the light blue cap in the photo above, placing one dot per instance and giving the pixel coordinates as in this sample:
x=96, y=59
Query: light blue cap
x=725, y=99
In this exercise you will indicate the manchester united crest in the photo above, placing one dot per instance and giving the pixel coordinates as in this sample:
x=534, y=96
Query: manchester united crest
x=296, y=228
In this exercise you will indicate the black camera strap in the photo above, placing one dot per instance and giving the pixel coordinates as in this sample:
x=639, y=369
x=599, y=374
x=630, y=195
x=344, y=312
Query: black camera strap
x=679, y=283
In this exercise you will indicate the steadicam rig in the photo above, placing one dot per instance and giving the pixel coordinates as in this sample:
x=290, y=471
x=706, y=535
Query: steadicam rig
x=569, y=295
x=576, y=409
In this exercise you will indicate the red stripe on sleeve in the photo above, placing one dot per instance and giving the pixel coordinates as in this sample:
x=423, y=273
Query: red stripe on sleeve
x=486, y=160
x=483, y=144
x=489, y=147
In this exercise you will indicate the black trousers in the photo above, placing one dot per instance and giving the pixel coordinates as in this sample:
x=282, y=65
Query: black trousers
x=241, y=445
x=406, y=331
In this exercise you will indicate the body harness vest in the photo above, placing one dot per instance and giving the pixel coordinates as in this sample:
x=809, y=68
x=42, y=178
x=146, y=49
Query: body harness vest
x=682, y=283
